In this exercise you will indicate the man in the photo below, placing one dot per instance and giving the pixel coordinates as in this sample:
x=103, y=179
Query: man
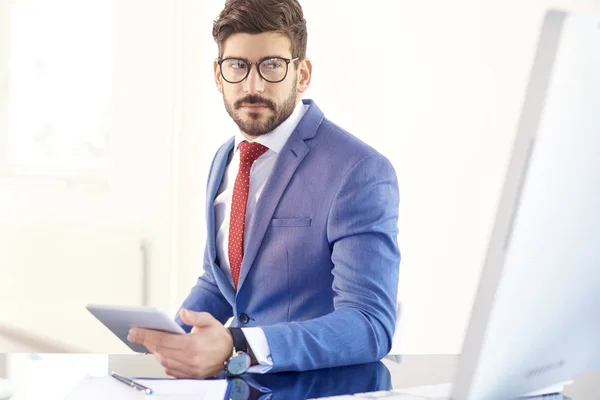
x=302, y=220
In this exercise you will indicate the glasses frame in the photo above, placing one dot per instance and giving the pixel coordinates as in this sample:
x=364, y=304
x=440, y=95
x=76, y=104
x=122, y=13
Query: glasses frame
x=286, y=60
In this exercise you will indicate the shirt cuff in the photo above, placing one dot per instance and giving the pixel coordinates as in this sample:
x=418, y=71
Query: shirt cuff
x=257, y=341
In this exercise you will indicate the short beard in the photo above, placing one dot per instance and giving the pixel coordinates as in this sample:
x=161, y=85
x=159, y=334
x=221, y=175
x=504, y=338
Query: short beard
x=254, y=127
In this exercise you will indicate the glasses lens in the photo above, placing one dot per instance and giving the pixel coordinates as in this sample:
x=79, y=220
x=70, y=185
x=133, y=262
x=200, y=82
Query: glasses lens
x=234, y=70
x=273, y=69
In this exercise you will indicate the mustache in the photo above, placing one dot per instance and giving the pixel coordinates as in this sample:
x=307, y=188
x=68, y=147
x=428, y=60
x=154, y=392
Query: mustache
x=254, y=99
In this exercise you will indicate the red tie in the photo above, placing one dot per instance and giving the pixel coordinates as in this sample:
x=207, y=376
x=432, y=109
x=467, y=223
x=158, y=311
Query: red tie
x=249, y=152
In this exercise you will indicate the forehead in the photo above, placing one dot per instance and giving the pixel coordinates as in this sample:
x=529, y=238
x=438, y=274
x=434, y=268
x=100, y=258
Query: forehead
x=256, y=46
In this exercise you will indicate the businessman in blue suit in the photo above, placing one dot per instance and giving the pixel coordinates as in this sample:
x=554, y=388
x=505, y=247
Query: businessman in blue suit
x=301, y=216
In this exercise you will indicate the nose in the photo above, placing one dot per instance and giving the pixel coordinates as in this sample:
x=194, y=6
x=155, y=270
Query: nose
x=253, y=82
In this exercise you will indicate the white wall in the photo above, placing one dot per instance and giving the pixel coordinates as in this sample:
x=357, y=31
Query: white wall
x=437, y=87
x=133, y=199
x=4, y=40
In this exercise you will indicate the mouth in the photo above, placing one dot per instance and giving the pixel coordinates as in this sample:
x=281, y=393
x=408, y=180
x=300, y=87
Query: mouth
x=254, y=106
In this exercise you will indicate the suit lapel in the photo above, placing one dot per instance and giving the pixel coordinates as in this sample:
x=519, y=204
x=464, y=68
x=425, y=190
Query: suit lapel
x=214, y=181
x=291, y=156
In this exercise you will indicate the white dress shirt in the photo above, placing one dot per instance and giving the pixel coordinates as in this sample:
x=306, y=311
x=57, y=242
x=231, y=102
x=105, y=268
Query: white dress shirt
x=260, y=171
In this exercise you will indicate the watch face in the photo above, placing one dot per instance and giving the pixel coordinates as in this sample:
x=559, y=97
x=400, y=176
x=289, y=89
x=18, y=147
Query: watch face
x=239, y=363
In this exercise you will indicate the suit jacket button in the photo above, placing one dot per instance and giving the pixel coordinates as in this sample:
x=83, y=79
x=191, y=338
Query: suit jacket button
x=243, y=318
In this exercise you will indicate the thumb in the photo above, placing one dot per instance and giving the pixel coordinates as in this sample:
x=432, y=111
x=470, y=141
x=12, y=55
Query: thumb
x=193, y=318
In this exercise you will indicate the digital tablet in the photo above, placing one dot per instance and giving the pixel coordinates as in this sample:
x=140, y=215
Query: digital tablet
x=119, y=319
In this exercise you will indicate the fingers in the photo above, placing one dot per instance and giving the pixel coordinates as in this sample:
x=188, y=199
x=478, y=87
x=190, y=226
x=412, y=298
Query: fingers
x=198, y=319
x=163, y=343
x=179, y=375
x=199, y=354
x=176, y=368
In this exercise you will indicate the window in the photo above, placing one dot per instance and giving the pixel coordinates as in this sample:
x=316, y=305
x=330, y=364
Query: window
x=60, y=80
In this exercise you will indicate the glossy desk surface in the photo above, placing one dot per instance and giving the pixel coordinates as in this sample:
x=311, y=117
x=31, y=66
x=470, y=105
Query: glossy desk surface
x=52, y=376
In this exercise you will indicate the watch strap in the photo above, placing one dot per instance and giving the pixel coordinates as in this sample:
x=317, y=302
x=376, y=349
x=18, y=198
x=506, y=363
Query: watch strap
x=239, y=340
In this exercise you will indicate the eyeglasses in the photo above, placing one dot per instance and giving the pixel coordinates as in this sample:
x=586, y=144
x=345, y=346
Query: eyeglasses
x=272, y=69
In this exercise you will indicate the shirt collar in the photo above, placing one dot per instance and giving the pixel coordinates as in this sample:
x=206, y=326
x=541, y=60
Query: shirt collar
x=275, y=140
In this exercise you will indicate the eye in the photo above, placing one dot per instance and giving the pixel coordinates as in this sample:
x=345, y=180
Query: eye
x=272, y=64
x=236, y=64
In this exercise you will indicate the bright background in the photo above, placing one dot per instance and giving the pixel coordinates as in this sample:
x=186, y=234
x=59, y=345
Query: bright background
x=109, y=119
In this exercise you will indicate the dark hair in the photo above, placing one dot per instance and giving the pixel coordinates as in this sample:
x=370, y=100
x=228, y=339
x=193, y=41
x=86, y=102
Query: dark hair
x=258, y=16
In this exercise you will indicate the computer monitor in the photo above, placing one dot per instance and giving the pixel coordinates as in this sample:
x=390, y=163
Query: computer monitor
x=536, y=314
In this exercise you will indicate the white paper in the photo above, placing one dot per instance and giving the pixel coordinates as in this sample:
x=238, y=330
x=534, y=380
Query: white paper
x=106, y=387
x=200, y=389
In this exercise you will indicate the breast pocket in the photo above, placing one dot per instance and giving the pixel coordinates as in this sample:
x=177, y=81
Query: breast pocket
x=291, y=222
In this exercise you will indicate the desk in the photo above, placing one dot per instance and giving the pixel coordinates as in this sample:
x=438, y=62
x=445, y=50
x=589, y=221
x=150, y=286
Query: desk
x=51, y=376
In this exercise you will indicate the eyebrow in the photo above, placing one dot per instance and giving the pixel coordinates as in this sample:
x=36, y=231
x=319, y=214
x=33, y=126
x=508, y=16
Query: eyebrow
x=261, y=59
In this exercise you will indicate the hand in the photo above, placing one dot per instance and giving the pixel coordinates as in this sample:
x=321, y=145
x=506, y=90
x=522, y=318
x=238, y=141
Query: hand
x=199, y=354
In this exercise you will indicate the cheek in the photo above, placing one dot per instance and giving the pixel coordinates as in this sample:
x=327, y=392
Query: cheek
x=230, y=94
x=234, y=90
x=283, y=92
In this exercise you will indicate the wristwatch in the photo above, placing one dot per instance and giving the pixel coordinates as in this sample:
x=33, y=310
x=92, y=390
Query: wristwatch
x=240, y=361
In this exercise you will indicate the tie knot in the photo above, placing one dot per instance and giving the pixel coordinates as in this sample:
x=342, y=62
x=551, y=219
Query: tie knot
x=249, y=152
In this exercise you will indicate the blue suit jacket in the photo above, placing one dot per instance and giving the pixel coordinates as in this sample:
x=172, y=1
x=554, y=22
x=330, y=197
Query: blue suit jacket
x=321, y=259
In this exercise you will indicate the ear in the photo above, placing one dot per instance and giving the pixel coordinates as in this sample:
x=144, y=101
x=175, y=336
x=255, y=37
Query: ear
x=304, y=75
x=218, y=77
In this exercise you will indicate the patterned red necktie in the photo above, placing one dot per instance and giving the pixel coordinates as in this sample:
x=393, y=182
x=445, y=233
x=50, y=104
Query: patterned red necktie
x=249, y=152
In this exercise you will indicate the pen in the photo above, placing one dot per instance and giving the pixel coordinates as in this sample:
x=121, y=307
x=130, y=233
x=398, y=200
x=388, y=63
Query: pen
x=131, y=382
